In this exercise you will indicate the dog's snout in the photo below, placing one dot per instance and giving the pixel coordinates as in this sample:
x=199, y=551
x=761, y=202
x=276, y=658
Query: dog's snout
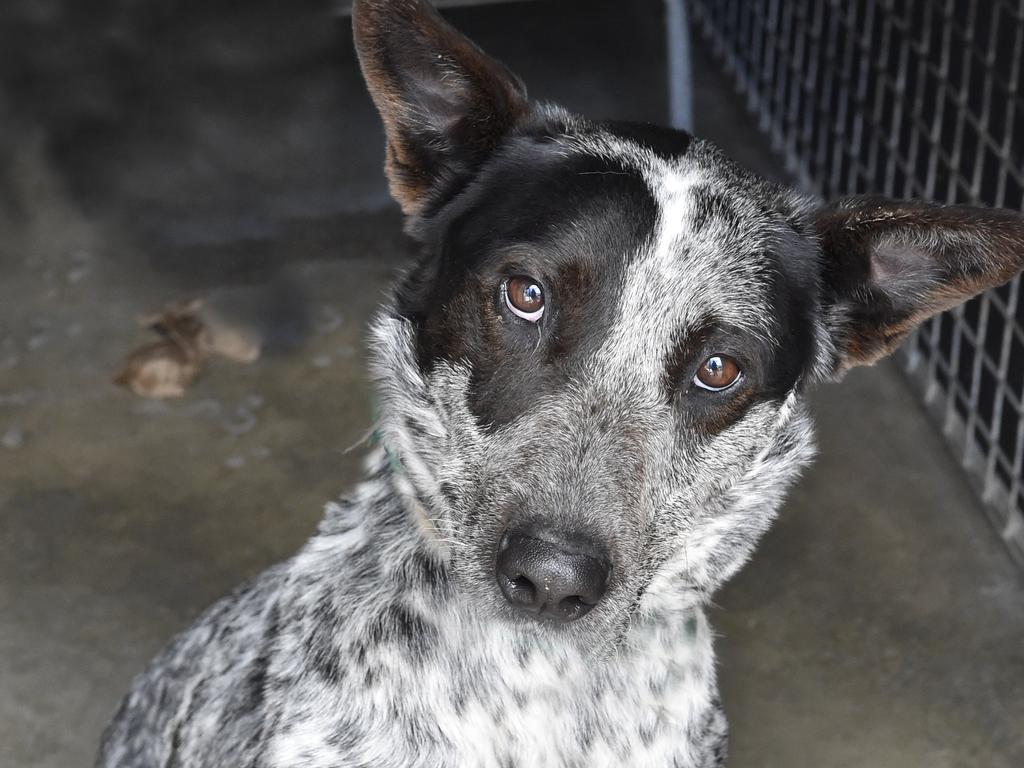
x=548, y=580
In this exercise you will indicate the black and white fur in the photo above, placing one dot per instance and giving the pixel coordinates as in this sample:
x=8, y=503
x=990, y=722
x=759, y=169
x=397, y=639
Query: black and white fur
x=385, y=641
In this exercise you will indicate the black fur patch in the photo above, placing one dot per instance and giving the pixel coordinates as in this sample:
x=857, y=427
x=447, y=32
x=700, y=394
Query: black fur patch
x=406, y=629
x=710, y=206
x=573, y=224
x=667, y=143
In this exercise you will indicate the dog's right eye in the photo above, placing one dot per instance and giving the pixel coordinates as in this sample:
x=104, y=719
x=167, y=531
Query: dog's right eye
x=524, y=296
x=717, y=373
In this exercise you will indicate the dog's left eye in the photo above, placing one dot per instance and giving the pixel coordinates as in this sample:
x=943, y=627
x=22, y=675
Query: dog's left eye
x=717, y=373
x=524, y=297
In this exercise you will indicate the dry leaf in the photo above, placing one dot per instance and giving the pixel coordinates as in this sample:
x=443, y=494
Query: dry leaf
x=190, y=332
x=160, y=370
x=233, y=341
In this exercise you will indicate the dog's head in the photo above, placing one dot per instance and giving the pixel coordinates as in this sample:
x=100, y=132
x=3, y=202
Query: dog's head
x=594, y=376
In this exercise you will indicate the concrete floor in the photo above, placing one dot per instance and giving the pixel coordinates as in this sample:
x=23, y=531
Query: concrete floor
x=879, y=625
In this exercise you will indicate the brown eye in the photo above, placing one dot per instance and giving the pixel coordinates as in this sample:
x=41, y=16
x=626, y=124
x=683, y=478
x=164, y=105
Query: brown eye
x=525, y=297
x=718, y=372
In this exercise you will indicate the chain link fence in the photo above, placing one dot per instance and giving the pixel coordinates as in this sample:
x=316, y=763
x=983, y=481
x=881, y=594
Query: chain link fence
x=909, y=98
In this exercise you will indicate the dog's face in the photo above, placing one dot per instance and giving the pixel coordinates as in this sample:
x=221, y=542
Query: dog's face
x=594, y=376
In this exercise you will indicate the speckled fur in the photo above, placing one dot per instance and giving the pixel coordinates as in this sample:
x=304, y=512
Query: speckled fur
x=385, y=641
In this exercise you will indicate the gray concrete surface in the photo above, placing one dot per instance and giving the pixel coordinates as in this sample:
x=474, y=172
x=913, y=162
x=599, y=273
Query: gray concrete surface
x=880, y=625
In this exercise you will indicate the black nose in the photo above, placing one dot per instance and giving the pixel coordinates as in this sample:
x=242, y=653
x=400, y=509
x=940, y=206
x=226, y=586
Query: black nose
x=545, y=580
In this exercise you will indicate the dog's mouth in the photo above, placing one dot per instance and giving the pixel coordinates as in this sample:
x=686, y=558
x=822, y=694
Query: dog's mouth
x=550, y=578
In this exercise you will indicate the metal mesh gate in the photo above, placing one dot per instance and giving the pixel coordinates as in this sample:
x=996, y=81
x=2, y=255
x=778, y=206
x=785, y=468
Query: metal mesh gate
x=909, y=98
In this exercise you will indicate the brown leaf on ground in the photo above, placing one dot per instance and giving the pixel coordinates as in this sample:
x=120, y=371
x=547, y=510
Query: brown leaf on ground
x=160, y=369
x=180, y=322
x=190, y=333
x=234, y=341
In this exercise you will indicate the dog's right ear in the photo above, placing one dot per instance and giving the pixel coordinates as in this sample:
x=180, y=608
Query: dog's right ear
x=445, y=104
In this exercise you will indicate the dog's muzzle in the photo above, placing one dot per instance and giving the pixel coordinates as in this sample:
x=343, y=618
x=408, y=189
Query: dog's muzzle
x=558, y=582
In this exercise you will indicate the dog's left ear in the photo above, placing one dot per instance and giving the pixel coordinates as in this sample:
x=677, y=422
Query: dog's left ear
x=890, y=265
x=445, y=104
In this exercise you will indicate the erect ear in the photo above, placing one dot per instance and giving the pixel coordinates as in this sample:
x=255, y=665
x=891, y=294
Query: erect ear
x=890, y=265
x=445, y=104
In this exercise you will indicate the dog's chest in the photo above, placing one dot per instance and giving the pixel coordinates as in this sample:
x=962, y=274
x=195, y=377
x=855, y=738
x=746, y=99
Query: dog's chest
x=514, y=706
x=636, y=710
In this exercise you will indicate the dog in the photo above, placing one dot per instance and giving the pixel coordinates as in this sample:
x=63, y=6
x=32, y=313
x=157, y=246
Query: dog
x=592, y=402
